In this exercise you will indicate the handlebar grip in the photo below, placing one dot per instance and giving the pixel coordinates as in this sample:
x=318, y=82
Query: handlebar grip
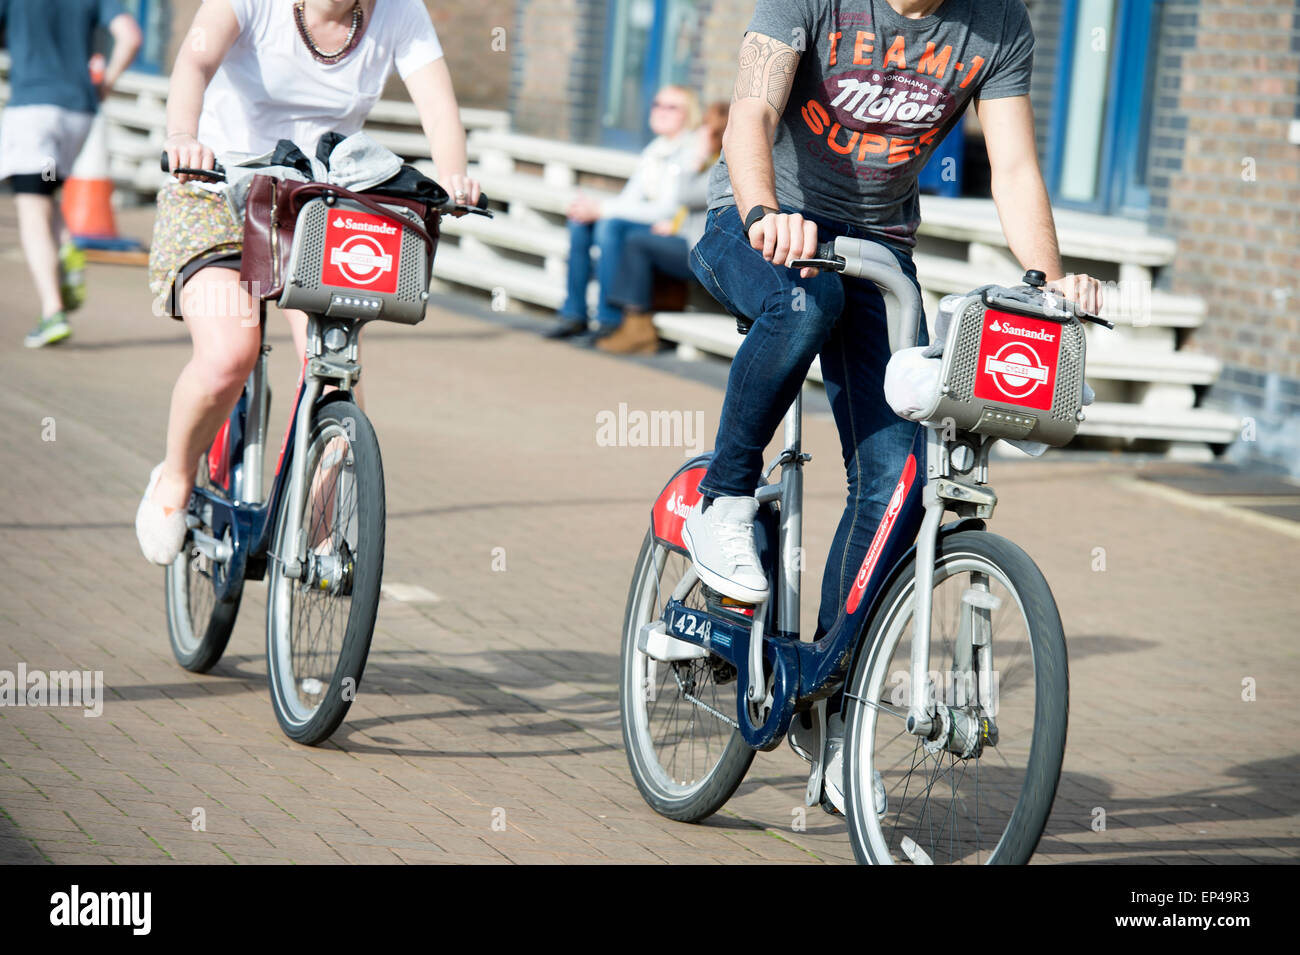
x=217, y=173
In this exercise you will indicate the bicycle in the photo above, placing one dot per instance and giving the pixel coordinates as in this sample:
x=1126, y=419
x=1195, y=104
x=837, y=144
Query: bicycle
x=949, y=651
x=317, y=536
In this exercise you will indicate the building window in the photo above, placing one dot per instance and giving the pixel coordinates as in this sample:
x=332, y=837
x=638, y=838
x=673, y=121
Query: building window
x=1101, y=128
x=153, y=17
x=648, y=45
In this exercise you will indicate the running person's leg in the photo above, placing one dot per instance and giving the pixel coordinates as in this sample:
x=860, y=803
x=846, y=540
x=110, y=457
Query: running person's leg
x=38, y=147
x=792, y=317
x=37, y=229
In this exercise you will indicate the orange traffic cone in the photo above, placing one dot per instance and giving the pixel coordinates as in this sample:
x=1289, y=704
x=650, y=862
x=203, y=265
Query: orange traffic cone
x=88, y=193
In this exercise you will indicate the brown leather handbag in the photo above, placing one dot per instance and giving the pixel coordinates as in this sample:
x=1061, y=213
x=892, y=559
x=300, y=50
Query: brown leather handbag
x=271, y=213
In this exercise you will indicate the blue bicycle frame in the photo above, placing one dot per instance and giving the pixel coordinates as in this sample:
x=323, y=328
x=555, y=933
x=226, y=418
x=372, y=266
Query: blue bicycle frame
x=242, y=523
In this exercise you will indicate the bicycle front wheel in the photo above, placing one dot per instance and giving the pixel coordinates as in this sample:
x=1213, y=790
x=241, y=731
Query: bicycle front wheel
x=981, y=792
x=319, y=623
x=685, y=751
x=199, y=622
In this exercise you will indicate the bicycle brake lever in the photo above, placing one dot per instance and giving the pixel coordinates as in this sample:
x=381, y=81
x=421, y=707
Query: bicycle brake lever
x=1097, y=319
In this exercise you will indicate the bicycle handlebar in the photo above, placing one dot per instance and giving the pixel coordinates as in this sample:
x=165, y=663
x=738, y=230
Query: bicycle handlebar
x=864, y=259
x=218, y=174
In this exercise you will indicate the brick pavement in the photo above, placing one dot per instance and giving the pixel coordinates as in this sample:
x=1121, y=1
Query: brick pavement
x=502, y=694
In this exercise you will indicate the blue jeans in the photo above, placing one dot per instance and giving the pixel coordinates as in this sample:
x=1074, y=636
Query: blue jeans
x=608, y=235
x=646, y=255
x=843, y=321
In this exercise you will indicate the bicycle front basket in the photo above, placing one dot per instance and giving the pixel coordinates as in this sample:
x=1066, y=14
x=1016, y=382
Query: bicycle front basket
x=1012, y=374
x=349, y=262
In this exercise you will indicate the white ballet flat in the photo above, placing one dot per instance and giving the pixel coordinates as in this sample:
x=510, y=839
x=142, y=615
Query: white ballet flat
x=161, y=535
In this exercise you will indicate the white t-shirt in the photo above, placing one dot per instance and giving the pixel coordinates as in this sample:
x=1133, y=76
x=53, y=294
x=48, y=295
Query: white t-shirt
x=269, y=87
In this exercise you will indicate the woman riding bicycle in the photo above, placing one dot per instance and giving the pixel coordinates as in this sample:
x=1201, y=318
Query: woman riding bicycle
x=250, y=73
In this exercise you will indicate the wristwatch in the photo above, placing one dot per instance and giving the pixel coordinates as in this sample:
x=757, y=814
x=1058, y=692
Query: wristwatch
x=756, y=213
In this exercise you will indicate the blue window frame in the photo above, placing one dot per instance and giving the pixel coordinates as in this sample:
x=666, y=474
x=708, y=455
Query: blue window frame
x=647, y=45
x=152, y=15
x=1101, y=122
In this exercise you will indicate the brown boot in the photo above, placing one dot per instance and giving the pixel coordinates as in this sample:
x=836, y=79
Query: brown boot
x=636, y=336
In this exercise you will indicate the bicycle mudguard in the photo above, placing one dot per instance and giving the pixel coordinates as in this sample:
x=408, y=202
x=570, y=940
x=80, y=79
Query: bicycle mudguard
x=682, y=493
x=675, y=501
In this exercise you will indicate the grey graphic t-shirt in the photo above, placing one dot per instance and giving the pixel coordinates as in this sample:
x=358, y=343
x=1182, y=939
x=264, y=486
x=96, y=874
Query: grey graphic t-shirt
x=873, y=95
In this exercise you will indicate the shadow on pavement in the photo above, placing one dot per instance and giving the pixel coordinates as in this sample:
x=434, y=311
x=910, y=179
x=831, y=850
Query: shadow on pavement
x=1267, y=790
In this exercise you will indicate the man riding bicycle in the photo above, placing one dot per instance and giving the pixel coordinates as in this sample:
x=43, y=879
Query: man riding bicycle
x=837, y=106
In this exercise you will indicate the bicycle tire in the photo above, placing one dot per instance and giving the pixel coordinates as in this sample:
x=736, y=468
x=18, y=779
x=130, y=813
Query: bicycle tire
x=716, y=779
x=1001, y=562
x=312, y=689
x=199, y=624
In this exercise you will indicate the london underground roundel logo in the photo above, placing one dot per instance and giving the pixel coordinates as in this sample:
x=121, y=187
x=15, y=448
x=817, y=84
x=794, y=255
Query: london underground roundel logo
x=361, y=259
x=1016, y=369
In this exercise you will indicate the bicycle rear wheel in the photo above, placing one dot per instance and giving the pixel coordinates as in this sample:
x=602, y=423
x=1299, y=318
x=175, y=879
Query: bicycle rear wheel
x=683, y=747
x=990, y=803
x=319, y=625
x=199, y=623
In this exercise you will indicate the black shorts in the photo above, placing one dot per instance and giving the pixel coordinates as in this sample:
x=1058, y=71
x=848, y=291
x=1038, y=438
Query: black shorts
x=226, y=260
x=33, y=184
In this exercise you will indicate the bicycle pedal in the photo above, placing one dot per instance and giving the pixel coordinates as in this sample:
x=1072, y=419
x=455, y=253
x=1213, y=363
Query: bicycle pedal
x=720, y=603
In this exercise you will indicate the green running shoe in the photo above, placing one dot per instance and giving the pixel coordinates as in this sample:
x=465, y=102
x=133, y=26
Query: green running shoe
x=72, y=277
x=48, y=332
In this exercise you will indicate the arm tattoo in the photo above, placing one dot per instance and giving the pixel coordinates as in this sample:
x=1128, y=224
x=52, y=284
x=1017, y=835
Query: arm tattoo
x=766, y=71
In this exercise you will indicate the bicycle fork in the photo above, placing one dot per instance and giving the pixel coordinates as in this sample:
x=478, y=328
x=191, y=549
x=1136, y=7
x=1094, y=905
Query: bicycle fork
x=330, y=359
x=962, y=725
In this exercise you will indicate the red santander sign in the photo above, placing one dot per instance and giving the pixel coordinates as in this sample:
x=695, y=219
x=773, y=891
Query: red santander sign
x=1017, y=360
x=362, y=251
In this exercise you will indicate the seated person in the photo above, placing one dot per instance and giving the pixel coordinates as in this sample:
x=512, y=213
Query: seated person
x=649, y=196
x=664, y=249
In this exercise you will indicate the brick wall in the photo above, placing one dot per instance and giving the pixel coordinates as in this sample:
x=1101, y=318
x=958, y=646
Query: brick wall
x=1177, y=35
x=1045, y=18
x=1233, y=203
x=724, y=23
x=556, y=63
x=480, y=73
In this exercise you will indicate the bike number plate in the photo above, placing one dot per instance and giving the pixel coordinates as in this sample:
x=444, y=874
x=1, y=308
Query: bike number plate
x=690, y=626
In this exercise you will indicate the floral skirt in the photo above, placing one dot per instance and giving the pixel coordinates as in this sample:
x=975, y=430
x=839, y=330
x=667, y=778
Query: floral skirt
x=191, y=222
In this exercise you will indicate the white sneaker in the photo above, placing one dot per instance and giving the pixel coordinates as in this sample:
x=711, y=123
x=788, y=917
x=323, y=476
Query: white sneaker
x=721, y=544
x=161, y=535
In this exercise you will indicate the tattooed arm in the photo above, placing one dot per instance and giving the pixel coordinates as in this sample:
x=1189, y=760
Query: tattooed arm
x=763, y=82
